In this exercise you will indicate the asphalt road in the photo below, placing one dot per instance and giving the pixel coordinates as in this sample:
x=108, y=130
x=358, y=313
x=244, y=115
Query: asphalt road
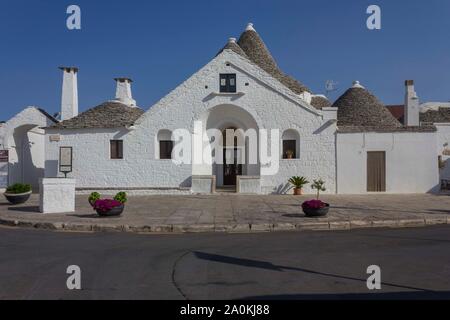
x=415, y=263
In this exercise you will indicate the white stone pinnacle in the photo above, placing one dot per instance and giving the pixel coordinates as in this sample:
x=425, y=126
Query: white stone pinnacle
x=356, y=84
x=250, y=27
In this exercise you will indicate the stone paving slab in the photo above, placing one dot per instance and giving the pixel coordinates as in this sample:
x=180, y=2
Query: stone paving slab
x=237, y=213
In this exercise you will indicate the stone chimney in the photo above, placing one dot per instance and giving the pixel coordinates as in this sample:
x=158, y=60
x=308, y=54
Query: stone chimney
x=69, y=100
x=123, y=91
x=411, y=104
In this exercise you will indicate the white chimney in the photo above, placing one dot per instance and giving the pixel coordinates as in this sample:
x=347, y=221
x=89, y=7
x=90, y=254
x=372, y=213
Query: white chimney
x=411, y=104
x=69, y=100
x=123, y=91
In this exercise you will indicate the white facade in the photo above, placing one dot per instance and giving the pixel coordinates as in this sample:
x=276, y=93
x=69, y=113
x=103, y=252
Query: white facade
x=256, y=105
x=443, y=148
x=411, y=163
x=24, y=138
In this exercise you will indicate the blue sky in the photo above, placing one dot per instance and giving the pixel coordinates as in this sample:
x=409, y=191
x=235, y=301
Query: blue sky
x=161, y=43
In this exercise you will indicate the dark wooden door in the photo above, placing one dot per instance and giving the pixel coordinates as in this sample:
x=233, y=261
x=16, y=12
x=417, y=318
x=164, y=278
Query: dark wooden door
x=231, y=169
x=376, y=171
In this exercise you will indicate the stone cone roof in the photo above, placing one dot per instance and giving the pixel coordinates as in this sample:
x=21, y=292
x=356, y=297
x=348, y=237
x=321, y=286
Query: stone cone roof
x=320, y=102
x=255, y=49
x=234, y=47
x=357, y=107
x=110, y=114
x=442, y=115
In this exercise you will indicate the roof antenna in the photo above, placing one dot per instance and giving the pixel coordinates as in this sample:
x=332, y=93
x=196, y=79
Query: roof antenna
x=330, y=86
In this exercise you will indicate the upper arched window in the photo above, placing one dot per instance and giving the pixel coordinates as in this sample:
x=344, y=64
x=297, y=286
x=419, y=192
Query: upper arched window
x=165, y=144
x=291, y=144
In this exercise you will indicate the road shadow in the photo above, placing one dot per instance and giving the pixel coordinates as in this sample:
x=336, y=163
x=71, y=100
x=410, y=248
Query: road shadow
x=272, y=267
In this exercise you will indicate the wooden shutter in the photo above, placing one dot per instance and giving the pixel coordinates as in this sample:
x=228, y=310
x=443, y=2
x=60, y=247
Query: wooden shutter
x=376, y=171
x=116, y=149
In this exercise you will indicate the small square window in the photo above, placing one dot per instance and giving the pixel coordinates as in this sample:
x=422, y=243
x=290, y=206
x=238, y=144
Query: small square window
x=228, y=82
x=116, y=149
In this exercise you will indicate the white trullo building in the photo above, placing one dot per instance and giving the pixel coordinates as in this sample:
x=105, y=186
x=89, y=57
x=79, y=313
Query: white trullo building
x=354, y=145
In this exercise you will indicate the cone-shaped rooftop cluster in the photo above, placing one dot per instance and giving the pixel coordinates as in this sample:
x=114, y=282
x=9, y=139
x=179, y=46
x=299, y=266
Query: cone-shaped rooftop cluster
x=251, y=46
x=357, y=107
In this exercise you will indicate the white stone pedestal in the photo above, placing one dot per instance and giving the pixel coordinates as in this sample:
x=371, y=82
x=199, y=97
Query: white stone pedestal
x=57, y=195
x=203, y=184
x=248, y=184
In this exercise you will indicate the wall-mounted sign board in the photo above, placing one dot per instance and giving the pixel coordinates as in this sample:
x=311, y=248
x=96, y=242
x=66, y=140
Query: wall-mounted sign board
x=65, y=160
x=55, y=138
x=4, y=155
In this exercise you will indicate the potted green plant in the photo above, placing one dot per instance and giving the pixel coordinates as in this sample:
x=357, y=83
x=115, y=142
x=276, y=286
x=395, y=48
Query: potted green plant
x=298, y=183
x=94, y=196
x=316, y=207
x=108, y=207
x=18, y=193
x=289, y=154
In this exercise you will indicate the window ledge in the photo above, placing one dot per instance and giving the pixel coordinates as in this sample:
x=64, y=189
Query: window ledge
x=228, y=93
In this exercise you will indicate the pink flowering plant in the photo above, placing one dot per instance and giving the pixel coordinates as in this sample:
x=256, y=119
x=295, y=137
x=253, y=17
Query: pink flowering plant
x=314, y=204
x=105, y=205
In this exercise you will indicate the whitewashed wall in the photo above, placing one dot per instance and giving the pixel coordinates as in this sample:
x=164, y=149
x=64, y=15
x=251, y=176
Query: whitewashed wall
x=23, y=137
x=411, y=161
x=443, y=143
x=271, y=105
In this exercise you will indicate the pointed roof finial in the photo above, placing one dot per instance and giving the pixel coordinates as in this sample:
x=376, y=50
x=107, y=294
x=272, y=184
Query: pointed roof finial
x=356, y=84
x=250, y=27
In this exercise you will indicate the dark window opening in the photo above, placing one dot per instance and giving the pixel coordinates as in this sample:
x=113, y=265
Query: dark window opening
x=228, y=82
x=289, y=149
x=116, y=149
x=165, y=149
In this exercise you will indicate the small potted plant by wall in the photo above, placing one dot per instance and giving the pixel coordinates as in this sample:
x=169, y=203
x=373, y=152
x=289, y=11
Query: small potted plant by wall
x=289, y=154
x=298, y=183
x=18, y=193
x=108, y=207
x=94, y=196
x=316, y=207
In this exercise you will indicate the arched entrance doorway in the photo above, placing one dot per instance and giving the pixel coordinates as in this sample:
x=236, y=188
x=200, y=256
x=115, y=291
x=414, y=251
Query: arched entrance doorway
x=238, y=145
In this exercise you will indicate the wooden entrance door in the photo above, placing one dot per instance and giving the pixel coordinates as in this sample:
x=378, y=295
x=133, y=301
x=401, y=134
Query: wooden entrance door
x=231, y=168
x=376, y=171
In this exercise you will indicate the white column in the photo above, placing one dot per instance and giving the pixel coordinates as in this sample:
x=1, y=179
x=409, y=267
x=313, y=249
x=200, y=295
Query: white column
x=69, y=99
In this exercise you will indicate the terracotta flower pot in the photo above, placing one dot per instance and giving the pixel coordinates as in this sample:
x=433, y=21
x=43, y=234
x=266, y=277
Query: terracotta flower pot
x=298, y=191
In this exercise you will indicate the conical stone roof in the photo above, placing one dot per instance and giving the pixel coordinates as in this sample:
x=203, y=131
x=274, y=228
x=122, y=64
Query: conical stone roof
x=357, y=107
x=232, y=45
x=255, y=49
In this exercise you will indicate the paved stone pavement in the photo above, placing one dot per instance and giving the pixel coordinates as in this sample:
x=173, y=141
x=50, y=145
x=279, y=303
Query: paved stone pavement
x=238, y=213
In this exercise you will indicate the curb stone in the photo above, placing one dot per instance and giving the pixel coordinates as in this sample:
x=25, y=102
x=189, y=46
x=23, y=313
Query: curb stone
x=230, y=228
